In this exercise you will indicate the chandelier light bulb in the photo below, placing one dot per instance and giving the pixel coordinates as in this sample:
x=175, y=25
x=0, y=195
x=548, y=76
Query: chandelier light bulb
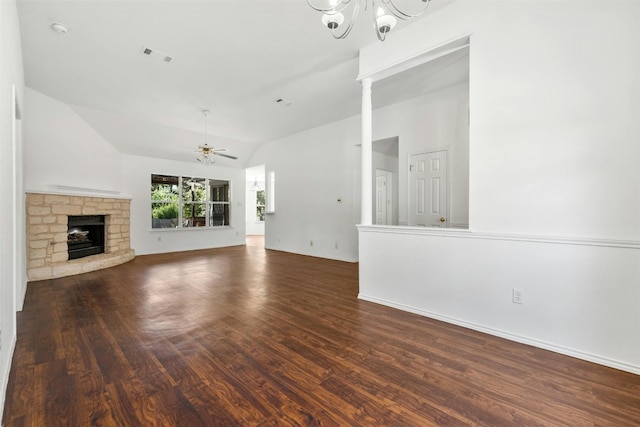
x=385, y=23
x=332, y=20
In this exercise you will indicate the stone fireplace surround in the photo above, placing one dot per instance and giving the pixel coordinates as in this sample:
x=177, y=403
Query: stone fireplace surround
x=47, y=256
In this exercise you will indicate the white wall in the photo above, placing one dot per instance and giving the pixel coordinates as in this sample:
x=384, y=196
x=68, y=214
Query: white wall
x=61, y=149
x=554, y=101
x=551, y=98
x=12, y=278
x=580, y=298
x=136, y=183
x=438, y=120
x=313, y=170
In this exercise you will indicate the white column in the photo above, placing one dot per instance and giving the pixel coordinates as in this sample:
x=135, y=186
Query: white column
x=366, y=216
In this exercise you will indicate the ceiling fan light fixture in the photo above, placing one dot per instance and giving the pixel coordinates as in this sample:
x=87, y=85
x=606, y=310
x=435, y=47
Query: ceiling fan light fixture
x=207, y=152
x=206, y=159
x=206, y=156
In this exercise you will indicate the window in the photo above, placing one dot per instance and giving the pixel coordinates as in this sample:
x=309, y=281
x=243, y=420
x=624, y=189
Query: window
x=187, y=202
x=194, y=202
x=218, y=202
x=260, y=204
x=165, y=197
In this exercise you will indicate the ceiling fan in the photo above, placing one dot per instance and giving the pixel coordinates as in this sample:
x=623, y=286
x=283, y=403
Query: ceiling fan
x=207, y=151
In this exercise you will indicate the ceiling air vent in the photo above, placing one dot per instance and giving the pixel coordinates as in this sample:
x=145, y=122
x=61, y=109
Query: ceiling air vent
x=156, y=54
x=284, y=102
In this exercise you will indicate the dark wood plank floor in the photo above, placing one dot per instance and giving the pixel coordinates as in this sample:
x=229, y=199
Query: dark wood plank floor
x=244, y=336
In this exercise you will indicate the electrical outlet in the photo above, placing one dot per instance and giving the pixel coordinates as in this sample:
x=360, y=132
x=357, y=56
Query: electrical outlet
x=518, y=296
x=311, y=243
x=336, y=245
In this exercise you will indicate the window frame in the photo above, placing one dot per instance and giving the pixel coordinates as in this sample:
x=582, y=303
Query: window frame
x=182, y=202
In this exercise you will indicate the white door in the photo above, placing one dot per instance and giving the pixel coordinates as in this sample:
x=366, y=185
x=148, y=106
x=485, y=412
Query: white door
x=381, y=199
x=428, y=189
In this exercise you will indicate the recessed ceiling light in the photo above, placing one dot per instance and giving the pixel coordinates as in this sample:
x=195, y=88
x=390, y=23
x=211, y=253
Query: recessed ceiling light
x=59, y=28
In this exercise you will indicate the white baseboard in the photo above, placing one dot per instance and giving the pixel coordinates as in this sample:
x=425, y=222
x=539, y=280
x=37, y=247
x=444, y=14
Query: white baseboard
x=459, y=225
x=634, y=369
x=317, y=255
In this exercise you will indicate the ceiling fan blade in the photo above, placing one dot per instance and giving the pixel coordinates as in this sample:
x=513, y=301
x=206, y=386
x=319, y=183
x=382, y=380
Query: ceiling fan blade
x=221, y=149
x=225, y=155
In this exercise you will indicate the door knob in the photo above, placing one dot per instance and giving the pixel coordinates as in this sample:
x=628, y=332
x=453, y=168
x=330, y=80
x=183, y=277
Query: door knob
x=443, y=219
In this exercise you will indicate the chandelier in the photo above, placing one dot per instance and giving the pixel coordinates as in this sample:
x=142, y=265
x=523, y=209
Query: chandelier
x=255, y=186
x=385, y=14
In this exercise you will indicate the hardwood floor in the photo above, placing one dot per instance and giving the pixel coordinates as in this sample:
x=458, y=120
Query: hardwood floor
x=244, y=336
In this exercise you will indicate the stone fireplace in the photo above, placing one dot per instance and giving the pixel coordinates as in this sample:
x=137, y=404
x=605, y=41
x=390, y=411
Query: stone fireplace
x=50, y=225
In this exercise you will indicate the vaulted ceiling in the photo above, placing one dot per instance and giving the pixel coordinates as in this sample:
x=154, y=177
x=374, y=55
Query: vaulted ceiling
x=232, y=57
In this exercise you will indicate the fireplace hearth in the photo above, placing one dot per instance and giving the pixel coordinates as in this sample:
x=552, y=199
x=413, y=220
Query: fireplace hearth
x=85, y=235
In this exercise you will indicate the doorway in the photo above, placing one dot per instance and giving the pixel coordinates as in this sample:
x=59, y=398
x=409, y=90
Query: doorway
x=428, y=187
x=385, y=167
x=255, y=201
x=384, y=197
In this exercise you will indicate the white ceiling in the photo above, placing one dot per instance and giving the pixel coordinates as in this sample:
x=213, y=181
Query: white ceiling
x=232, y=57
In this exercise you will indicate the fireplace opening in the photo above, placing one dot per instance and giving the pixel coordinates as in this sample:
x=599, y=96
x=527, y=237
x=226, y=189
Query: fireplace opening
x=85, y=235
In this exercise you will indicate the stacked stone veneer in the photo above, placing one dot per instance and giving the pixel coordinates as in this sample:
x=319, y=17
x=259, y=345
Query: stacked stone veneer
x=47, y=255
